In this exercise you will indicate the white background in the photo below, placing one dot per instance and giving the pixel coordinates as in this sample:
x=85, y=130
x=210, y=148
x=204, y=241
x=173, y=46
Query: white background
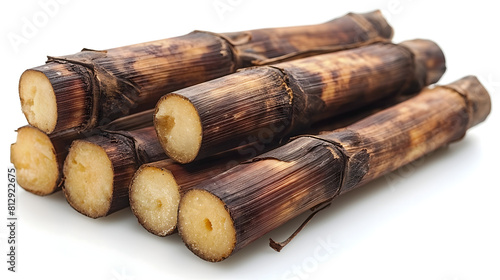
x=435, y=219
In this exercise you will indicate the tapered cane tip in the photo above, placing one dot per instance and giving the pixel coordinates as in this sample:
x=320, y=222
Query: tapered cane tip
x=88, y=184
x=154, y=198
x=430, y=59
x=376, y=18
x=34, y=158
x=178, y=127
x=205, y=225
x=38, y=101
x=478, y=98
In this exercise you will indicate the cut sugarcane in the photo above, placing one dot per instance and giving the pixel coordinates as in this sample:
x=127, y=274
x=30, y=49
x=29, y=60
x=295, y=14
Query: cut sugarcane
x=226, y=213
x=39, y=157
x=264, y=104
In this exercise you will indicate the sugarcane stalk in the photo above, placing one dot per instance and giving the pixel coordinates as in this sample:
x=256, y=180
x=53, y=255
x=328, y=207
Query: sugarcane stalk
x=98, y=169
x=92, y=88
x=224, y=214
x=38, y=157
x=156, y=188
x=264, y=104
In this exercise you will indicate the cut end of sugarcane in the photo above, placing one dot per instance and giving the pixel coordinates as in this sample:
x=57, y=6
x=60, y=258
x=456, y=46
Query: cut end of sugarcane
x=34, y=158
x=38, y=100
x=154, y=199
x=88, y=174
x=179, y=128
x=206, y=226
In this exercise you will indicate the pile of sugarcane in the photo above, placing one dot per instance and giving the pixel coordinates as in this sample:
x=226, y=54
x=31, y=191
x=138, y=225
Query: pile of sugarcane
x=225, y=137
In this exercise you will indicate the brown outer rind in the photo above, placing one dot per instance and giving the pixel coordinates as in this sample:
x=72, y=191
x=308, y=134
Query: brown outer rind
x=272, y=45
x=396, y=137
x=130, y=79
